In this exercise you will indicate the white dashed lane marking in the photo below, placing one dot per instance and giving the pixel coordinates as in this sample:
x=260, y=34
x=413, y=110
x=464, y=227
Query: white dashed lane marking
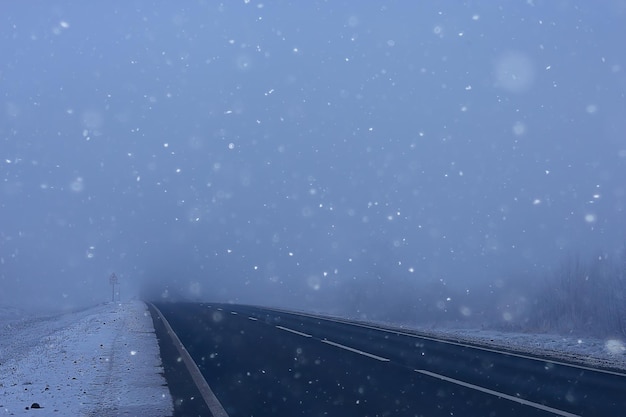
x=498, y=394
x=293, y=331
x=360, y=352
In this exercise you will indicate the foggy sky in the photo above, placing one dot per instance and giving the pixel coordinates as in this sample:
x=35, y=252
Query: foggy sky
x=280, y=153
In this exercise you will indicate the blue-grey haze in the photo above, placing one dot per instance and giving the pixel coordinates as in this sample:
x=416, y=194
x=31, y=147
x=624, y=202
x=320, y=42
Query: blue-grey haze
x=296, y=153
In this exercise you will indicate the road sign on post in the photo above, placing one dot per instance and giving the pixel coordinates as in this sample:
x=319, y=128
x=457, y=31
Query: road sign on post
x=113, y=281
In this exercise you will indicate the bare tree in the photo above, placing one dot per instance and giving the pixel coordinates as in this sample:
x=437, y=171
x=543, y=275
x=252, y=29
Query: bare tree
x=583, y=298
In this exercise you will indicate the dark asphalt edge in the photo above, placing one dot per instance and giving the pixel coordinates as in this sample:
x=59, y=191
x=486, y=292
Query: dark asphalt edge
x=187, y=398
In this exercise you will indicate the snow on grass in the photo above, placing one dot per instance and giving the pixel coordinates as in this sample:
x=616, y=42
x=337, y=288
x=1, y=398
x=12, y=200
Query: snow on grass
x=589, y=351
x=101, y=361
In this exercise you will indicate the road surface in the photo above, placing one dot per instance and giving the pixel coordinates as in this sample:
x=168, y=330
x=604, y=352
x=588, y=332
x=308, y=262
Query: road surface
x=262, y=362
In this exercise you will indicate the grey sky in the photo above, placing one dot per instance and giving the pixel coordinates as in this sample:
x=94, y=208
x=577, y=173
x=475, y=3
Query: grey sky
x=276, y=152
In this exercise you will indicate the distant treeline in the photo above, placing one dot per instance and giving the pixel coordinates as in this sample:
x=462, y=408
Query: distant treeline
x=582, y=297
x=578, y=297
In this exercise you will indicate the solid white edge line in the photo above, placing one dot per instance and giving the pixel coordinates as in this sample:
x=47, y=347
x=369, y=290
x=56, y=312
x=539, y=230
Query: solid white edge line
x=216, y=408
x=293, y=331
x=497, y=394
x=360, y=352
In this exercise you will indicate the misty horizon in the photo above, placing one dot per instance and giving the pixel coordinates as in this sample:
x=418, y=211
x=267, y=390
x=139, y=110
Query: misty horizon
x=321, y=156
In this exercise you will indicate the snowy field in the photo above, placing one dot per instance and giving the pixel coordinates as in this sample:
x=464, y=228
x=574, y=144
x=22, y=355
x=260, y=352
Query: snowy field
x=102, y=361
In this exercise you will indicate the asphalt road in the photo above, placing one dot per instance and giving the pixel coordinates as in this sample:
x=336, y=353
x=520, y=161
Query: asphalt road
x=264, y=362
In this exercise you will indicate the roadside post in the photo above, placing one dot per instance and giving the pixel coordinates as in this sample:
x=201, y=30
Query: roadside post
x=113, y=281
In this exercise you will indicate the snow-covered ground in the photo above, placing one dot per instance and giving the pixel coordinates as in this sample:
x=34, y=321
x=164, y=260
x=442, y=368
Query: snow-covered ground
x=102, y=361
x=589, y=351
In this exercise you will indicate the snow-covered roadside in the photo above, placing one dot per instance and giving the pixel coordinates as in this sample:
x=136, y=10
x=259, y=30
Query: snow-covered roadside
x=103, y=361
x=589, y=351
